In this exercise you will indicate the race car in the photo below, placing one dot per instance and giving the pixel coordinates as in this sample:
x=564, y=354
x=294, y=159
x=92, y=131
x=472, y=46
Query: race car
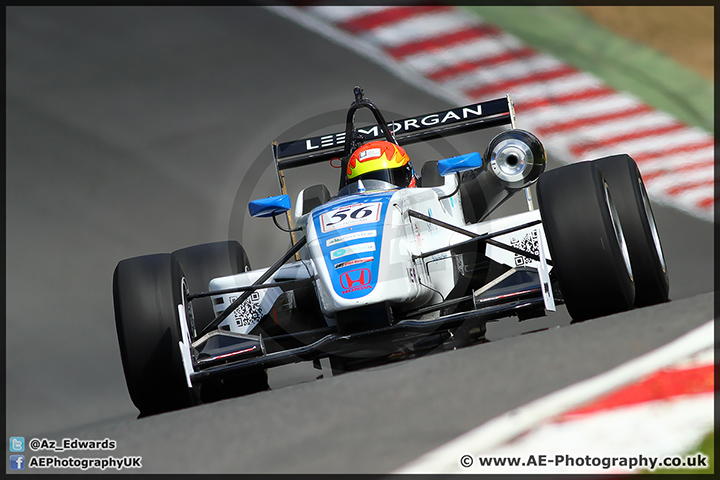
x=393, y=264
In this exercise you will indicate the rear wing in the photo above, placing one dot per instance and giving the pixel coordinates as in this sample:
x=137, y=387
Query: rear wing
x=476, y=116
x=308, y=151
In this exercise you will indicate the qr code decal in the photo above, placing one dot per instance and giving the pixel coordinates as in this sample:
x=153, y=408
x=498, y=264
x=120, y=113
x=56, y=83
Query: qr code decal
x=528, y=243
x=249, y=312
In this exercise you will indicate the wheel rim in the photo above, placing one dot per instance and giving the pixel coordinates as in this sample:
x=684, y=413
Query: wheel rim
x=653, y=227
x=194, y=391
x=617, y=228
x=187, y=307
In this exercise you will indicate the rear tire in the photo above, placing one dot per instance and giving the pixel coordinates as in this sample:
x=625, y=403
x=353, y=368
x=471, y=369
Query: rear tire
x=586, y=241
x=652, y=284
x=146, y=292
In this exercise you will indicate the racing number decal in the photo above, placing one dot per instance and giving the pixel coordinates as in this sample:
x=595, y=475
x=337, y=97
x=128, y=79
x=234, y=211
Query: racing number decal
x=350, y=215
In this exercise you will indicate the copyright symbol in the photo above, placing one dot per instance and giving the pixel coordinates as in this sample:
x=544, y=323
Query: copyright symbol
x=34, y=444
x=466, y=461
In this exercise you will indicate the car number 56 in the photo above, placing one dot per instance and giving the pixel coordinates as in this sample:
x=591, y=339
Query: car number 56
x=350, y=215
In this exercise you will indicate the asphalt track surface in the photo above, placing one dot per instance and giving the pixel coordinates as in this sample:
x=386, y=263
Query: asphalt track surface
x=140, y=130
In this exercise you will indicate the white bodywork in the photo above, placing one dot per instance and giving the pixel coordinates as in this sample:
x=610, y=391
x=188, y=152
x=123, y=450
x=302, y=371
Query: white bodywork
x=401, y=280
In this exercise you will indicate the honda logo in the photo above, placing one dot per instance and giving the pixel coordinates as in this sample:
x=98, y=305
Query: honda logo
x=357, y=279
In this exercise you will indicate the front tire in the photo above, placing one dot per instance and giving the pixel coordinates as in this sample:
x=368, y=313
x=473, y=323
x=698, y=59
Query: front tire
x=146, y=293
x=586, y=241
x=652, y=284
x=201, y=263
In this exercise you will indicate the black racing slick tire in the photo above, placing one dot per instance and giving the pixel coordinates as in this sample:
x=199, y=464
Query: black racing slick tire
x=146, y=293
x=202, y=263
x=652, y=284
x=586, y=241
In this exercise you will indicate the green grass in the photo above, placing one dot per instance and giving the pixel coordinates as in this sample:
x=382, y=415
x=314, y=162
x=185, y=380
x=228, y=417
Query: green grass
x=623, y=64
x=707, y=447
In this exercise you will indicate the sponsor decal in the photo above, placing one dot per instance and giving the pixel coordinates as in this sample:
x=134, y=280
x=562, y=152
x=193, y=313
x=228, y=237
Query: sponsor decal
x=350, y=263
x=416, y=231
x=355, y=280
x=325, y=141
x=350, y=236
x=412, y=274
x=402, y=126
x=369, y=154
x=352, y=249
x=439, y=256
x=433, y=229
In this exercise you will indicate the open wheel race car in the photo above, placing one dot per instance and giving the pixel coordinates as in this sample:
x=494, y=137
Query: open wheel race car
x=392, y=265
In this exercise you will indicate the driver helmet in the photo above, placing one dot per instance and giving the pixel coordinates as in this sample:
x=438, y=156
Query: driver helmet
x=381, y=160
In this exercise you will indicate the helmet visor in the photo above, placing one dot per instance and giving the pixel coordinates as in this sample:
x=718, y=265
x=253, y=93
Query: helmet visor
x=401, y=176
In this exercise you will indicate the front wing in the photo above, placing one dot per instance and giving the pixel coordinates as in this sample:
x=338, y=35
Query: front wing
x=524, y=287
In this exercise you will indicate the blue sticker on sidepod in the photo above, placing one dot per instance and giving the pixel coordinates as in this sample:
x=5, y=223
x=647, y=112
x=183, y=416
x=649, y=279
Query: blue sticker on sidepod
x=355, y=220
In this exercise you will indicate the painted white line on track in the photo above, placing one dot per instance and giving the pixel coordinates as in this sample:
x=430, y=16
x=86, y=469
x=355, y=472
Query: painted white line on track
x=704, y=357
x=517, y=421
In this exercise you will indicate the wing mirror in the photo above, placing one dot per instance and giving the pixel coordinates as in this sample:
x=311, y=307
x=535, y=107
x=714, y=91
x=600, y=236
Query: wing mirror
x=461, y=163
x=267, y=207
